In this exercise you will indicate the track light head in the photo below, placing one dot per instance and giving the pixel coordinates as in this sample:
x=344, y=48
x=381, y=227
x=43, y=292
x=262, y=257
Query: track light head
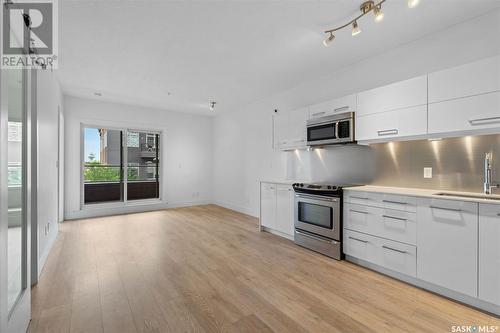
x=377, y=11
x=355, y=28
x=413, y=3
x=328, y=40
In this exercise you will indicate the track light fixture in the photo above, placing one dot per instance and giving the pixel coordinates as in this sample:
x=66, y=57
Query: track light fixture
x=365, y=8
x=328, y=40
x=355, y=28
x=212, y=106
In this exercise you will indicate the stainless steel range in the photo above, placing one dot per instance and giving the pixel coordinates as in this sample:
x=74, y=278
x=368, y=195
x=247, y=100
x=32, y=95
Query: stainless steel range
x=318, y=218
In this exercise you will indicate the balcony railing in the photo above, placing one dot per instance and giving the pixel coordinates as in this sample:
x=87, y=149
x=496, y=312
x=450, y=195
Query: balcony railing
x=103, y=183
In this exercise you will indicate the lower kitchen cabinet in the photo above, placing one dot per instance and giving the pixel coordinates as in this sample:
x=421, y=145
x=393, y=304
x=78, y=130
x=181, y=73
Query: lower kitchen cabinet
x=268, y=205
x=489, y=253
x=447, y=244
x=276, y=208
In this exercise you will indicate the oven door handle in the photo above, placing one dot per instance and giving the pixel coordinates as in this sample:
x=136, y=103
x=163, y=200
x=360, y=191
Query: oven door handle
x=316, y=237
x=317, y=197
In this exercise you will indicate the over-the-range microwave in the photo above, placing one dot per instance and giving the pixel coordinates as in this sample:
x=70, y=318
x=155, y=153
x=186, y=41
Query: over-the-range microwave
x=329, y=130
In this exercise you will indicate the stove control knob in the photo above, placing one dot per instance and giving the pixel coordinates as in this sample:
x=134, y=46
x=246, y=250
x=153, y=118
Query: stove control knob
x=301, y=185
x=329, y=187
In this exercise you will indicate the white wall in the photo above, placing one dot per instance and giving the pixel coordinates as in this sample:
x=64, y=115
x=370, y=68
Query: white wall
x=186, y=152
x=49, y=100
x=242, y=139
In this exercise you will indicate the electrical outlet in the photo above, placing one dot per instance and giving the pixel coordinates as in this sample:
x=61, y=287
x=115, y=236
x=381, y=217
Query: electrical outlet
x=427, y=172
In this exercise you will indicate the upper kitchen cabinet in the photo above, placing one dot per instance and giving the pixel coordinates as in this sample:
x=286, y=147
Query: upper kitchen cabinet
x=399, y=95
x=338, y=105
x=465, y=99
x=398, y=110
x=290, y=129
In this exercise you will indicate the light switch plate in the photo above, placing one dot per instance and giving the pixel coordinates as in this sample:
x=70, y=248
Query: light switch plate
x=427, y=172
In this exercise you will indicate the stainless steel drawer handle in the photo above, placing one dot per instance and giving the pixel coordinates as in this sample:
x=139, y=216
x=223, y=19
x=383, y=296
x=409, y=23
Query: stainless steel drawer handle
x=341, y=108
x=361, y=198
x=484, y=120
x=357, y=239
x=358, y=211
x=392, y=249
x=395, y=218
x=395, y=202
x=316, y=238
x=443, y=208
x=318, y=113
x=387, y=132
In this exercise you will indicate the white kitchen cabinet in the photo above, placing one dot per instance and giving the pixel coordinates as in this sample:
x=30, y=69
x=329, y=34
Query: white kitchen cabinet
x=284, y=209
x=470, y=79
x=386, y=253
x=399, y=95
x=290, y=129
x=276, y=208
x=408, y=122
x=447, y=242
x=479, y=113
x=489, y=253
x=268, y=205
x=338, y=105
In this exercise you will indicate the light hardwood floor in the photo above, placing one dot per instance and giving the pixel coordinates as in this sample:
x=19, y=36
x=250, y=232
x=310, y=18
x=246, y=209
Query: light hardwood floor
x=208, y=269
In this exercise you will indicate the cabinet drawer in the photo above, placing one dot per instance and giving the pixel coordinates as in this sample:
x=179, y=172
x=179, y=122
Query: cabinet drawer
x=465, y=114
x=390, y=224
x=383, y=200
x=399, y=202
x=399, y=95
x=393, y=124
x=396, y=256
x=362, y=198
x=360, y=246
x=474, y=78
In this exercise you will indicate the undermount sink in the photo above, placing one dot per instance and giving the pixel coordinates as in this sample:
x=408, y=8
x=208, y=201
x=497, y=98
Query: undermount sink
x=472, y=196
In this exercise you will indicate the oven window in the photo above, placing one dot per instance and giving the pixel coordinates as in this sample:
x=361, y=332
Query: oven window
x=315, y=214
x=344, y=129
x=321, y=132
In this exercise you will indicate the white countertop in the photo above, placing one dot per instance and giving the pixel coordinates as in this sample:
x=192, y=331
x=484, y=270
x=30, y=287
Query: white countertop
x=427, y=193
x=283, y=181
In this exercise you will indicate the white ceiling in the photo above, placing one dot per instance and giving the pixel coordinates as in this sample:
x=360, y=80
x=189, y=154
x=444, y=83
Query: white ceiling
x=232, y=52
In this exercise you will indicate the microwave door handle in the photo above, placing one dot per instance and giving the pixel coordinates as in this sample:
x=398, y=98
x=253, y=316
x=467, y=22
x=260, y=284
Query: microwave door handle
x=337, y=130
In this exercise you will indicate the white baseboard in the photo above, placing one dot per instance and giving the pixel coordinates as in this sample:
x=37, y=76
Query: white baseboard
x=101, y=210
x=238, y=208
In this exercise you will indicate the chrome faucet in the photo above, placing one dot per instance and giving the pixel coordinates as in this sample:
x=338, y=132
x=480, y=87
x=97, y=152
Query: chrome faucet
x=488, y=186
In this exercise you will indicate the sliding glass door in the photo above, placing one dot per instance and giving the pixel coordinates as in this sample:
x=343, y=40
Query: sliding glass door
x=15, y=296
x=120, y=165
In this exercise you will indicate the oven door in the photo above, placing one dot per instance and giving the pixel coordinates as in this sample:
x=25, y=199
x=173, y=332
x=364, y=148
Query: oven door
x=318, y=214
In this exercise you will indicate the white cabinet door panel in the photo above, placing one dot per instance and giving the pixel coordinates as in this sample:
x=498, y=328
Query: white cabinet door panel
x=447, y=233
x=360, y=246
x=268, y=205
x=392, y=124
x=489, y=253
x=338, y=105
x=467, y=80
x=297, y=133
x=398, y=95
x=284, y=209
x=479, y=112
